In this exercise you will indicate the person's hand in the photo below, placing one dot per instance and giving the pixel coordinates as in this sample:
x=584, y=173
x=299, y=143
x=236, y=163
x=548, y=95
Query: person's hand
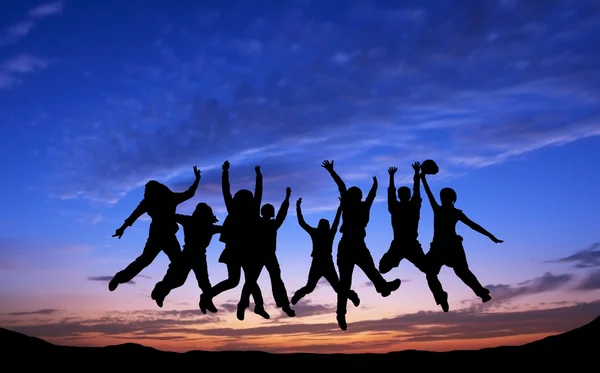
x=257, y=170
x=288, y=192
x=392, y=170
x=495, y=240
x=375, y=180
x=196, y=172
x=226, y=166
x=416, y=166
x=298, y=202
x=119, y=232
x=327, y=165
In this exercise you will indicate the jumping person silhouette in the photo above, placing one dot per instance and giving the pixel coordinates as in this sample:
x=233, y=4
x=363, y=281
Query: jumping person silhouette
x=352, y=249
x=266, y=256
x=160, y=203
x=446, y=247
x=198, y=230
x=239, y=233
x=322, y=263
x=405, y=215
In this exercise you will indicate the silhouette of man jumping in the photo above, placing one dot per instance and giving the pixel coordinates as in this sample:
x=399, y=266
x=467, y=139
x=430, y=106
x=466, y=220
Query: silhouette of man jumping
x=239, y=233
x=352, y=249
x=198, y=229
x=322, y=263
x=405, y=215
x=160, y=203
x=446, y=247
x=266, y=256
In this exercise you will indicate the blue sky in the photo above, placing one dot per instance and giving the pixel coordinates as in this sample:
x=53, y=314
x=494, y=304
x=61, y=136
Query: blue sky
x=96, y=98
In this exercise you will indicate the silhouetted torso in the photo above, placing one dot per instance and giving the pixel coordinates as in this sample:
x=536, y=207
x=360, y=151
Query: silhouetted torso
x=444, y=222
x=161, y=211
x=322, y=241
x=268, y=233
x=405, y=218
x=197, y=233
x=355, y=217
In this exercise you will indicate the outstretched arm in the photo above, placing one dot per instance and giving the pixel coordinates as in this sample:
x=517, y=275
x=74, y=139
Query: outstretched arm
x=432, y=200
x=416, y=181
x=258, y=187
x=184, y=196
x=135, y=215
x=372, y=193
x=336, y=220
x=301, y=220
x=392, y=189
x=338, y=180
x=477, y=228
x=283, y=210
x=226, y=187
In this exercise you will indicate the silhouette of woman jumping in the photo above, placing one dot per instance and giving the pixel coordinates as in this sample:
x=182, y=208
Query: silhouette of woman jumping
x=239, y=233
x=352, y=249
x=446, y=247
x=198, y=230
x=322, y=263
x=160, y=203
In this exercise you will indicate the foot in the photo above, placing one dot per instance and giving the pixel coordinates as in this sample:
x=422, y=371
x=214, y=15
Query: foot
x=260, y=311
x=159, y=302
x=202, y=304
x=240, y=312
x=208, y=303
x=341, y=319
x=295, y=299
x=391, y=287
x=112, y=285
x=486, y=297
x=354, y=298
x=444, y=302
x=288, y=311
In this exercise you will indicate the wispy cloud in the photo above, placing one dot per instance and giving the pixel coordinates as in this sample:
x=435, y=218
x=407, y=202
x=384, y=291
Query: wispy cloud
x=47, y=9
x=586, y=258
x=46, y=311
x=15, y=32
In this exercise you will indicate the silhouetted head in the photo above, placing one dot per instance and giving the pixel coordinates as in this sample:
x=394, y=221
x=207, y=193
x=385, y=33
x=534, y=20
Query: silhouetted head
x=353, y=195
x=448, y=196
x=205, y=213
x=323, y=225
x=155, y=190
x=404, y=194
x=267, y=211
x=243, y=200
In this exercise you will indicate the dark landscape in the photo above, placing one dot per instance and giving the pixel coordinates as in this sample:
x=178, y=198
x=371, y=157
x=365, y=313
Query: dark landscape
x=577, y=348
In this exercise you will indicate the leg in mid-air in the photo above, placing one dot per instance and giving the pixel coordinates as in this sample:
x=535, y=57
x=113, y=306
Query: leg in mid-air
x=346, y=269
x=328, y=271
x=153, y=247
x=277, y=285
x=234, y=273
x=314, y=275
x=391, y=259
x=252, y=272
x=434, y=261
x=364, y=261
x=175, y=277
x=200, y=268
x=458, y=262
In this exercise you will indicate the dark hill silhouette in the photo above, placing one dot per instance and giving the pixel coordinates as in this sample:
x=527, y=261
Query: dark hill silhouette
x=573, y=349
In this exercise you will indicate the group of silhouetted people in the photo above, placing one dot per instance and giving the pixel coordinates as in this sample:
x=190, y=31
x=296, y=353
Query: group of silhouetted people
x=249, y=233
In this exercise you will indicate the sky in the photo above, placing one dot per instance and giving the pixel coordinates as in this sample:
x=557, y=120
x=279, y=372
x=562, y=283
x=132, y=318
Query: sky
x=97, y=98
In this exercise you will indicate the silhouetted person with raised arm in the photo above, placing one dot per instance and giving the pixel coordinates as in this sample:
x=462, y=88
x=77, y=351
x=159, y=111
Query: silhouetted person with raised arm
x=322, y=263
x=239, y=233
x=352, y=249
x=266, y=256
x=405, y=215
x=160, y=203
x=198, y=230
x=447, y=248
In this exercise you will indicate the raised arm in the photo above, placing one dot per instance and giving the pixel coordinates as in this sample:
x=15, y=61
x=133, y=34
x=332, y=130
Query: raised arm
x=226, y=187
x=372, y=193
x=135, y=215
x=477, y=228
x=391, y=195
x=336, y=220
x=432, y=200
x=283, y=210
x=258, y=187
x=416, y=181
x=338, y=180
x=184, y=196
x=301, y=220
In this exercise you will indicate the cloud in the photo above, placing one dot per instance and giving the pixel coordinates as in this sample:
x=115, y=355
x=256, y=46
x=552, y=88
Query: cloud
x=15, y=32
x=503, y=294
x=490, y=93
x=46, y=311
x=590, y=282
x=587, y=258
x=47, y=9
x=106, y=279
x=390, y=333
